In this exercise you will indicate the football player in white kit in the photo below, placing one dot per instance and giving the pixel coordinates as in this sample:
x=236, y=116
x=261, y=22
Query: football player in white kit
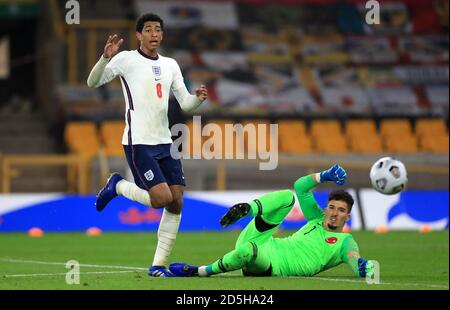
x=147, y=78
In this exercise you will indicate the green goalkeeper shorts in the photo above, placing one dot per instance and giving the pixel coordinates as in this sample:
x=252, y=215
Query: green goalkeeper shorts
x=256, y=231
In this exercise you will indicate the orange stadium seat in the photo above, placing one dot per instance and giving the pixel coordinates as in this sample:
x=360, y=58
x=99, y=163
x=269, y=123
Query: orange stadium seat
x=327, y=137
x=293, y=138
x=431, y=127
x=401, y=143
x=82, y=138
x=331, y=144
x=111, y=133
x=367, y=144
x=395, y=127
x=294, y=127
x=325, y=128
x=299, y=144
x=360, y=128
x=434, y=144
x=362, y=137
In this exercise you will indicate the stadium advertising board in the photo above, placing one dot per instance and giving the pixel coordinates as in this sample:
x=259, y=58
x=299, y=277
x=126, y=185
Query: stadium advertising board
x=202, y=211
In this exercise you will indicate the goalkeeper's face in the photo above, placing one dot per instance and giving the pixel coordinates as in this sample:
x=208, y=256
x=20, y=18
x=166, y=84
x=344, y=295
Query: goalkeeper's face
x=336, y=214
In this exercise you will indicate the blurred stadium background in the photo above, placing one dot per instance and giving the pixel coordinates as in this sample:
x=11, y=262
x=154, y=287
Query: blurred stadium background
x=339, y=89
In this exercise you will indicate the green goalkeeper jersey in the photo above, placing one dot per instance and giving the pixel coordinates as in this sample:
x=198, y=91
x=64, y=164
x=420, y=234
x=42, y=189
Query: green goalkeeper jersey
x=311, y=249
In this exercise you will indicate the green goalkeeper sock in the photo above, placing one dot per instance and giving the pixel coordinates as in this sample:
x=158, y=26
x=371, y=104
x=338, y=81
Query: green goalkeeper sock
x=233, y=260
x=273, y=207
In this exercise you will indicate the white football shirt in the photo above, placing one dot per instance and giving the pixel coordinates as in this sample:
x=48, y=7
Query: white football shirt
x=146, y=84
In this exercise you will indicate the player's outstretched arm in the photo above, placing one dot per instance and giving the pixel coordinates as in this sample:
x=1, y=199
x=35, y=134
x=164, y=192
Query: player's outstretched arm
x=101, y=74
x=358, y=265
x=304, y=185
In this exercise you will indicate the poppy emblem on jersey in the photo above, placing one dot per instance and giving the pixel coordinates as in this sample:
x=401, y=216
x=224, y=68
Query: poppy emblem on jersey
x=331, y=240
x=156, y=70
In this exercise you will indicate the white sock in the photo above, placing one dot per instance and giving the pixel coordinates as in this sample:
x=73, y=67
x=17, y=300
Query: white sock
x=167, y=234
x=133, y=192
x=202, y=271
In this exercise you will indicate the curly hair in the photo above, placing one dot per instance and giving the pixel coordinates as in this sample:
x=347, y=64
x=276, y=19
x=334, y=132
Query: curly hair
x=149, y=17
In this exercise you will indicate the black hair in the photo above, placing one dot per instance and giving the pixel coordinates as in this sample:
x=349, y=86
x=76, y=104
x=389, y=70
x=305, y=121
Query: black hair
x=342, y=195
x=149, y=17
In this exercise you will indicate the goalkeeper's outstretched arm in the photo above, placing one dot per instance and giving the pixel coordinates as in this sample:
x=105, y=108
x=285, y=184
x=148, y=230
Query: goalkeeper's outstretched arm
x=304, y=185
x=350, y=255
x=308, y=203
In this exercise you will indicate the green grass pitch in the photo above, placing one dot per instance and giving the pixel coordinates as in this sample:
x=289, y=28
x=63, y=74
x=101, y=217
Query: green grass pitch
x=408, y=260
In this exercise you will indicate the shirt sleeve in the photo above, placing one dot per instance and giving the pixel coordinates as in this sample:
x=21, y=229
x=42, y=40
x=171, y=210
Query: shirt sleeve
x=350, y=254
x=187, y=101
x=310, y=208
x=106, y=70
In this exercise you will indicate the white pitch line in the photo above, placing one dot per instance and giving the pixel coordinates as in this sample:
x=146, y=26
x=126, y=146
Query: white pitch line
x=63, y=264
x=61, y=274
x=349, y=280
x=224, y=275
x=381, y=283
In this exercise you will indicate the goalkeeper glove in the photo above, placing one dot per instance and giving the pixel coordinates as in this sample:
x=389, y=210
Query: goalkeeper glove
x=335, y=174
x=366, y=267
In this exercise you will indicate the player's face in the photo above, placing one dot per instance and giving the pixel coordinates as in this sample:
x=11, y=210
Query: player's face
x=336, y=214
x=150, y=37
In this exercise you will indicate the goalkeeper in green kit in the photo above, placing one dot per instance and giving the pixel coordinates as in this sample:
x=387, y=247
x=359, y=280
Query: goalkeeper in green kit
x=317, y=246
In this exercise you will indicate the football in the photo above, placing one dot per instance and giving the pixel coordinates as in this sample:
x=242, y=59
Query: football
x=388, y=176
